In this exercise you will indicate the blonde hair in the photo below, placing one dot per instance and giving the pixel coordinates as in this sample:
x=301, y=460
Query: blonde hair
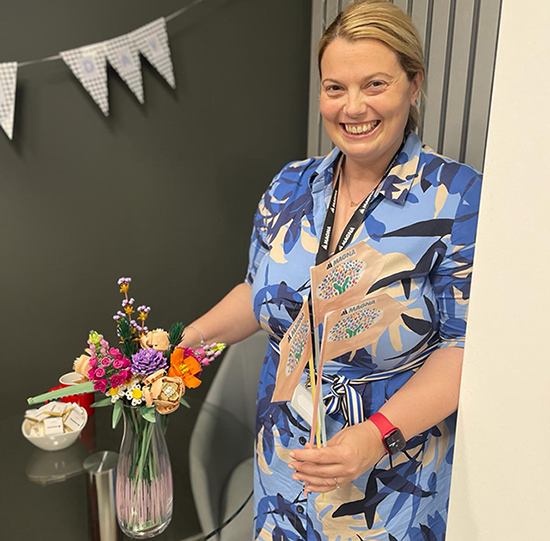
x=381, y=20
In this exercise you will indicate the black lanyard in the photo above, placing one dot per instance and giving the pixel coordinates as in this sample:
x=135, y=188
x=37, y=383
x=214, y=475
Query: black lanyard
x=354, y=222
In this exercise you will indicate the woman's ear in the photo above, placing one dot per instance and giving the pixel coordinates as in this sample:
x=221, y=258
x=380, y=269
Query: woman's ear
x=416, y=86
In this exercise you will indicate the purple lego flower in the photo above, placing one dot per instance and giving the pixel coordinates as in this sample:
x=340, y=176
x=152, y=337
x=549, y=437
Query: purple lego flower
x=148, y=361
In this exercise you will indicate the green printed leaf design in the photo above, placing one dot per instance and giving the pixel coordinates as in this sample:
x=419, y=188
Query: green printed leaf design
x=340, y=278
x=297, y=347
x=354, y=323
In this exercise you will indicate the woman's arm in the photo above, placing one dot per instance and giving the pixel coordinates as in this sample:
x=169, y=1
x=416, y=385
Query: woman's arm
x=427, y=398
x=230, y=321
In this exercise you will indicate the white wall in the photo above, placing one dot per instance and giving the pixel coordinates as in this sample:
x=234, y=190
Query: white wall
x=502, y=471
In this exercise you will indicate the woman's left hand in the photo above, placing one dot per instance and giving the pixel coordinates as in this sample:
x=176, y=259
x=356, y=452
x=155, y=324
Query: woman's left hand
x=347, y=455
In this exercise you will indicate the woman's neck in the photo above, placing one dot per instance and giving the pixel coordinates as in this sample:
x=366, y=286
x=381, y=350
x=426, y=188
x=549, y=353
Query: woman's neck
x=361, y=175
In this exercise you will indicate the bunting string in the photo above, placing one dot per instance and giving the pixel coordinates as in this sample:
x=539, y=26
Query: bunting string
x=169, y=18
x=89, y=65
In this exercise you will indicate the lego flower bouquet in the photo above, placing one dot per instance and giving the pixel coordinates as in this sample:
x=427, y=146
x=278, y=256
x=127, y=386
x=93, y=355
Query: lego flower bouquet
x=144, y=378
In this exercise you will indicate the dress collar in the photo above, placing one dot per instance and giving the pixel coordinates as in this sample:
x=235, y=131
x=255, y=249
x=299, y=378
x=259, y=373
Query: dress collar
x=397, y=183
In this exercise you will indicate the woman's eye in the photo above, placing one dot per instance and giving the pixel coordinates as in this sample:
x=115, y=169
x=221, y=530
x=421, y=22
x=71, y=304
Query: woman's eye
x=333, y=88
x=376, y=84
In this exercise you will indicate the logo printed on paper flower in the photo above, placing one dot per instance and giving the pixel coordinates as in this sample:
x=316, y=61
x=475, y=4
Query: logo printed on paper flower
x=354, y=324
x=297, y=346
x=341, y=278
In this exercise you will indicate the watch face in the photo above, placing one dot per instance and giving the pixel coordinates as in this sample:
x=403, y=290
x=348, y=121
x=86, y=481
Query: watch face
x=395, y=442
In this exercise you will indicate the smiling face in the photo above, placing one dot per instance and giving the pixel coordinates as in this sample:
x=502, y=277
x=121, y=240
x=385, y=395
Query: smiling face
x=365, y=100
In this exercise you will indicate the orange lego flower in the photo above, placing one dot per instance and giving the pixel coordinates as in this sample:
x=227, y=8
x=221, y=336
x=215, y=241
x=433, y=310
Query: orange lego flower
x=185, y=367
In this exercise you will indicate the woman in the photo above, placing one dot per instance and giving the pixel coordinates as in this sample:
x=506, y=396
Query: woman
x=386, y=477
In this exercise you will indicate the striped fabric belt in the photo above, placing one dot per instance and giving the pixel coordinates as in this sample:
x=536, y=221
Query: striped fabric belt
x=274, y=345
x=344, y=397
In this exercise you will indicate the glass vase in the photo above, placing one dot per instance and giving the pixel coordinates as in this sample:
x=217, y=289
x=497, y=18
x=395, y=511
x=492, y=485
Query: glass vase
x=144, y=477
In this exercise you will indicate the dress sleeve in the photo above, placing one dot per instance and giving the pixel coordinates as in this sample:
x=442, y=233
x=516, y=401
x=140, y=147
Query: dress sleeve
x=258, y=242
x=280, y=194
x=264, y=217
x=451, y=278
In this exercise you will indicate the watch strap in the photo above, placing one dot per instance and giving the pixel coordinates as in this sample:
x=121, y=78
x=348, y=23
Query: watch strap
x=383, y=424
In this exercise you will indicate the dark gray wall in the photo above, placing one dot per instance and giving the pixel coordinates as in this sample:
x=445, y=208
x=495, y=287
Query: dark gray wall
x=163, y=192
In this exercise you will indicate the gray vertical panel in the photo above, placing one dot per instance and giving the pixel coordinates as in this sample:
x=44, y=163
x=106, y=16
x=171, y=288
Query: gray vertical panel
x=326, y=143
x=401, y=4
x=456, y=93
x=436, y=72
x=482, y=82
x=314, y=130
x=332, y=11
x=446, y=76
x=470, y=78
x=428, y=33
x=420, y=19
x=346, y=3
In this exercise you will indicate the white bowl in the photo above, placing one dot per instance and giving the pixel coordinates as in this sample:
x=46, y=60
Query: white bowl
x=58, y=441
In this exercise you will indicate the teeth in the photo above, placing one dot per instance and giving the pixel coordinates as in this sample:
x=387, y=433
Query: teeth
x=361, y=129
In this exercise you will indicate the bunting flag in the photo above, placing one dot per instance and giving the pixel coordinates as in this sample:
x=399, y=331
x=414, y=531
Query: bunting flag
x=89, y=65
x=296, y=351
x=8, y=80
x=123, y=55
x=344, y=279
x=152, y=42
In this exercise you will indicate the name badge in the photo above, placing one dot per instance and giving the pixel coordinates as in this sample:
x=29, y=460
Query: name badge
x=302, y=402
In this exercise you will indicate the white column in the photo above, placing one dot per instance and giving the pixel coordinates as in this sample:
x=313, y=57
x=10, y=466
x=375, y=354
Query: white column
x=501, y=473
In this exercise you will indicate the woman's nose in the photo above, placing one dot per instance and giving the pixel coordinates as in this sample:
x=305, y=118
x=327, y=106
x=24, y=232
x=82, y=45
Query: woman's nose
x=356, y=104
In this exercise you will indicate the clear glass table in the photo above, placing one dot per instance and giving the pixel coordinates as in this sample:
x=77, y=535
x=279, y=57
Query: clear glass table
x=46, y=495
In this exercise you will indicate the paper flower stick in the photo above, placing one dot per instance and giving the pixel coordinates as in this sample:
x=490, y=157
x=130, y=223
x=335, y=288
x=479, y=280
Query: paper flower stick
x=79, y=388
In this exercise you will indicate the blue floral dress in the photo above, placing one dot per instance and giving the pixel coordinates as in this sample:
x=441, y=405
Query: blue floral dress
x=423, y=221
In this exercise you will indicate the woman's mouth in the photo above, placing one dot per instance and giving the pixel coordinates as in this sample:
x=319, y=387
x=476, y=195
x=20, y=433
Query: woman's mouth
x=360, y=130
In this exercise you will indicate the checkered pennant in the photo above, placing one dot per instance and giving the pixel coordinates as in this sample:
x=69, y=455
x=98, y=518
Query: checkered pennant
x=123, y=55
x=8, y=81
x=89, y=66
x=152, y=42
